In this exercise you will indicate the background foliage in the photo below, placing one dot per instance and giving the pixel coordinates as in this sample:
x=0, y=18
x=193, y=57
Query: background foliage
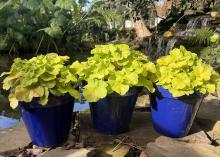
x=33, y=25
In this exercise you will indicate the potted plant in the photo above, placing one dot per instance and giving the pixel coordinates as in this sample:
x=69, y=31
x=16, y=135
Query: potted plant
x=112, y=78
x=183, y=79
x=40, y=87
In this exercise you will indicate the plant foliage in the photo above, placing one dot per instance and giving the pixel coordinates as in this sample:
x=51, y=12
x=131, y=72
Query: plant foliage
x=114, y=68
x=202, y=36
x=38, y=77
x=35, y=24
x=211, y=54
x=183, y=73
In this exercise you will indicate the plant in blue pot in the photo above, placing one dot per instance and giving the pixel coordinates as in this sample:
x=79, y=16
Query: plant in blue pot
x=43, y=90
x=183, y=80
x=112, y=78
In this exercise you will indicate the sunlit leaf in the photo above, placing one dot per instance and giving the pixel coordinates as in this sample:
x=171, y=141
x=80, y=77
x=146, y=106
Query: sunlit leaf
x=95, y=90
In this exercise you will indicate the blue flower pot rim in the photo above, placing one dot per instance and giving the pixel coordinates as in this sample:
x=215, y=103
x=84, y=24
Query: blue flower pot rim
x=195, y=95
x=53, y=101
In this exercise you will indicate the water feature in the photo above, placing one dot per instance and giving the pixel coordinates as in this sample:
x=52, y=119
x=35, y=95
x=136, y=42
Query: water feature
x=159, y=45
x=81, y=106
x=6, y=122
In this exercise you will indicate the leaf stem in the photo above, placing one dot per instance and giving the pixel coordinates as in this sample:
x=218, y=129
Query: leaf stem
x=42, y=38
x=55, y=45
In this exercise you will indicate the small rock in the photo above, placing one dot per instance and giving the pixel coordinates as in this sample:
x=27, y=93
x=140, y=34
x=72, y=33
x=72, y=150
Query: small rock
x=120, y=152
x=168, y=34
x=34, y=151
x=215, y=14
x=3, y=132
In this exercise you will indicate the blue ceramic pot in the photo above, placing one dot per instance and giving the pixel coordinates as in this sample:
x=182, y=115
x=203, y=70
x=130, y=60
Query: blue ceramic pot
x=112, y=115
x=172, y=116
x=48, y=126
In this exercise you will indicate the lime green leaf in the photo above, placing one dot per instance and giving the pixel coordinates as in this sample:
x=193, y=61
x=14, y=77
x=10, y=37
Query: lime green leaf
x=95, y=90
x=146, y=83
x=44, y=98
x=120, y=88
x=13, y=101
x=49, y=84
x=76, y=67
x=215, y=38
x=37, y=92
x=74, y=93
x=23, y=94
x=47, y=77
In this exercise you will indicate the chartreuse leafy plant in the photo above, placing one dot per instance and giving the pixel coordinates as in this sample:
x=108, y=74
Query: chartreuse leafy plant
x=183, y=73
x=38, y=77
x=114, y=68
x=211, y=54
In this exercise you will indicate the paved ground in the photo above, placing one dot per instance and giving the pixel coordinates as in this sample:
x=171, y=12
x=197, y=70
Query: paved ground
x=141, y=132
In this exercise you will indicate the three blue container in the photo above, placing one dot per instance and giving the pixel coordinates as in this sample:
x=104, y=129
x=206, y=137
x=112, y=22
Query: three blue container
x=112, y=115
x=172, y=116
x=48, y=126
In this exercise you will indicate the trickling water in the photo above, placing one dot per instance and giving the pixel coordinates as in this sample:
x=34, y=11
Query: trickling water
x=148, y=44
x=193, y=23
x=160, y=45
x=205, y=21
x=170, y=45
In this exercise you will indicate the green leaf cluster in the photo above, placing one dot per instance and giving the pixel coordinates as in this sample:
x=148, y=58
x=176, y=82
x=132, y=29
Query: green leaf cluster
x=183, y=73
x=114, y=68
x=37, y=77
x=211, y=54
x=31, y=25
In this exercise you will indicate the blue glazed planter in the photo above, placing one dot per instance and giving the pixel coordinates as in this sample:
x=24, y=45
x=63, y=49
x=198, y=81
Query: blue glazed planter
x=112, y=115
x=172, y=116
x=48, y=126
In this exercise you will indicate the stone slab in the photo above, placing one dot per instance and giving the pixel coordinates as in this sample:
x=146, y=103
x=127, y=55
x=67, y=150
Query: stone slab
x=168, y=147
x=13, y=138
